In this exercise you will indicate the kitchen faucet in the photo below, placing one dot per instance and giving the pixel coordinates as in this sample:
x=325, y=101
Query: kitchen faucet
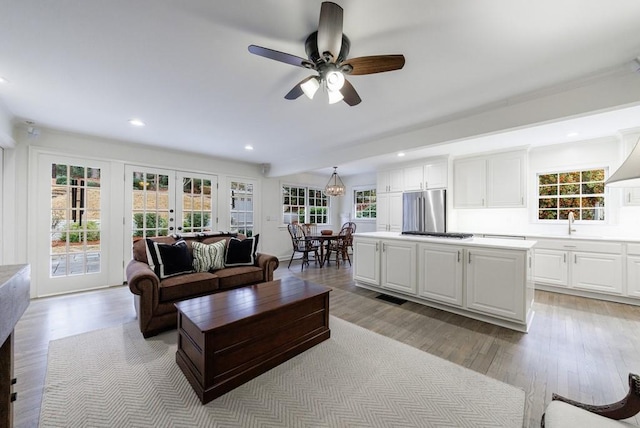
x=571, y=219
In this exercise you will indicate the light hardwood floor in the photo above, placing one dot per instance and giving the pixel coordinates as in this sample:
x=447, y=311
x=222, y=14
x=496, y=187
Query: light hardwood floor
x=578, y=347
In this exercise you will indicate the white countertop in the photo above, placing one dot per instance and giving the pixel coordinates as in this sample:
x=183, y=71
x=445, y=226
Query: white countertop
x=512, y=244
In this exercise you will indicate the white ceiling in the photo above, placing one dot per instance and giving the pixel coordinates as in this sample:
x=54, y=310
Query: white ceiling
x=184, y=69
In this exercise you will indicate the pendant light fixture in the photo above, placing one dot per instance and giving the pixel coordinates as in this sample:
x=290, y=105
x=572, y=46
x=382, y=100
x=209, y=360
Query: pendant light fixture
x=335, y=186
x=628, y=175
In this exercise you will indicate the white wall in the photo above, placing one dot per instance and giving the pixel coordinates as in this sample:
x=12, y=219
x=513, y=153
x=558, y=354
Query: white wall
x=352, y=183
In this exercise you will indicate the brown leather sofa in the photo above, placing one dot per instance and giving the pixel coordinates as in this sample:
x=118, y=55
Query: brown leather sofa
x=154, y=298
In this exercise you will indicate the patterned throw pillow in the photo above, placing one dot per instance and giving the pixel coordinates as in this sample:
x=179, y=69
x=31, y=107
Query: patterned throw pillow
x=168, y=260
x=241, y=252
x=208, y=257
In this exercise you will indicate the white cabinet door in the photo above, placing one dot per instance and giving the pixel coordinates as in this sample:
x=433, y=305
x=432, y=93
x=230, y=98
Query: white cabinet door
x=440, y=273
x=399, y=266
x=389, y=212
x=413, y=178
x=436, y=175
x=395, y=212
x=382, y=212
x=366, y=260
x=390, y=181
x=633, y=276
x=496, y=282
x=469, y=183
x=506, y=180
x=597, y=272
x=551, y=267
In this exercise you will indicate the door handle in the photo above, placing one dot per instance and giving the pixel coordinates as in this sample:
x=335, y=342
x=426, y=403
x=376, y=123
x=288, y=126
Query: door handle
x=376, y=247
x=469, y=257
x=458, y=256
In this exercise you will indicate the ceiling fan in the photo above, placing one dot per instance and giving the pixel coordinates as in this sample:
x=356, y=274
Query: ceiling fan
x=327, y=51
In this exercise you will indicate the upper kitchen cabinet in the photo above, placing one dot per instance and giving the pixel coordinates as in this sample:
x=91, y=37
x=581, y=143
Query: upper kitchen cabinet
x=390, y=181
x=494, y=181
x=506, y=177
x=436, y=174
x=469, y=183
x=431, y=175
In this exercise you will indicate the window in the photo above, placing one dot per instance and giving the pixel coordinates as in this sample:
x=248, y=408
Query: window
x=579, y=191
x=364, y=204
x=241, y=217
x=304, y=205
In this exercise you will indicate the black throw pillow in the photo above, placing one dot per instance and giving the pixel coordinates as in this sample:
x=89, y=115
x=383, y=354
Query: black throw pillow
x=168, y=260
x=241, y=252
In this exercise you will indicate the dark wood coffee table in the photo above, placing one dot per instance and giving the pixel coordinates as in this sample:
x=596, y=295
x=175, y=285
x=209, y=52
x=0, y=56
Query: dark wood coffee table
x=228, y=338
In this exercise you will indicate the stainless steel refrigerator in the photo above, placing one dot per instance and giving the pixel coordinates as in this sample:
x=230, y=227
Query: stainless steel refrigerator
x=424, y=211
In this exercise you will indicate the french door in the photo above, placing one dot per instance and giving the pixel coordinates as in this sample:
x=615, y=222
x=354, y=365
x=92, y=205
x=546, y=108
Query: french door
x=161, y=202
x=72, y=195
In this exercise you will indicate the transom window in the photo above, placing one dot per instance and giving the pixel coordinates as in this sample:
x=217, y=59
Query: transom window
x=579, y=191
x=364, y=203
x=304, y=205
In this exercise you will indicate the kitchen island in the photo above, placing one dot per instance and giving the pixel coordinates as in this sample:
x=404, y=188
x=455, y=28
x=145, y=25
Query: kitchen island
x=488, y=279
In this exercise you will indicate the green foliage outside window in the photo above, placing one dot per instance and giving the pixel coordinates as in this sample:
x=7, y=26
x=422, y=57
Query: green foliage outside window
x=77, y=232
x=579, y=191
x=150, y=221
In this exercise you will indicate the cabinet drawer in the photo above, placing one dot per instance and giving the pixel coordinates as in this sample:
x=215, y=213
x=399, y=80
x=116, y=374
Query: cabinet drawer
x=576, y=245
x=633, y=249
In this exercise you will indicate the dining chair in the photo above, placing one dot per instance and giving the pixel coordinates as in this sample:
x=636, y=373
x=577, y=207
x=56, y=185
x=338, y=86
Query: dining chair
x=310, y=229
x=302, y=245
x=352, y=225
x=339, y=246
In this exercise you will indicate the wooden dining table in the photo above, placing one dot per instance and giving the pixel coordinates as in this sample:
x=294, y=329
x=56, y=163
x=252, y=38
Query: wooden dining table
x=324, y=241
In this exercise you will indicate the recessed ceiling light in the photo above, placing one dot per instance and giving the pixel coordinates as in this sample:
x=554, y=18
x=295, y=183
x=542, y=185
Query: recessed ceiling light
x=136, y=122
x=248, y=147
x=572, y=134
x=3, y=80
x=400, y=154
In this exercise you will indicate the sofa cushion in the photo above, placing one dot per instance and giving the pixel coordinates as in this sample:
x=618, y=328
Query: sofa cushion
x=241, y=275
x=169, y=259
x=186, y=286
x=241, y=252
x=208, y=257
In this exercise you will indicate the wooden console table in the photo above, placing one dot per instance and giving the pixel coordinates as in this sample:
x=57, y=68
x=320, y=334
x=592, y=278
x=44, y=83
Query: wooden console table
x=14, y=298
x=228, y=338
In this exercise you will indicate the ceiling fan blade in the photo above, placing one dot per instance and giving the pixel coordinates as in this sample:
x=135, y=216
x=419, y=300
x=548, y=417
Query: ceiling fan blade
x=280, y=56
x=297, y=90
x=349, y=93
x=330, y=29
x=374, y=64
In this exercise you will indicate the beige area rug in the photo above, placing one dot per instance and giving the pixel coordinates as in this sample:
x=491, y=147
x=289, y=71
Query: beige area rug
x=357, y=378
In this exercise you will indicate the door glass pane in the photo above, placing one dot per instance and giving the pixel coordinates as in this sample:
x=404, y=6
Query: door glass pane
x=196, y=205
x=150, y=211
x=75, y=220
x=241, y=199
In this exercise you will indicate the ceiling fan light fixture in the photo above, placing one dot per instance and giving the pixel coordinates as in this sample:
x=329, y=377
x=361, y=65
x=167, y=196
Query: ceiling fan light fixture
x=335, y=186
x=310, y=87
x=335, y=80
x=334, y=96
